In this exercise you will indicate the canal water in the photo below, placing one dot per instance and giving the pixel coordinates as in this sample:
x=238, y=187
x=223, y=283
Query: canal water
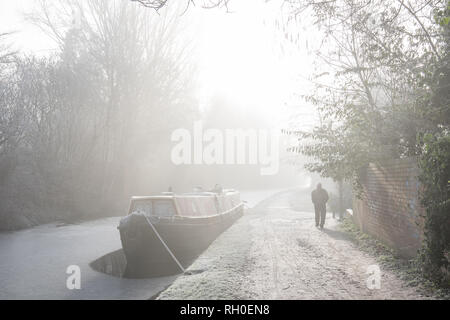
x=34, y=262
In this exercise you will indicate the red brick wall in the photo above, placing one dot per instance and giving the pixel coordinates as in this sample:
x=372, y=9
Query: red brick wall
x=390, y=209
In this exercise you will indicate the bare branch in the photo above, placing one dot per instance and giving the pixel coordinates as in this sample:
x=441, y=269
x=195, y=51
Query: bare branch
x=207, y=4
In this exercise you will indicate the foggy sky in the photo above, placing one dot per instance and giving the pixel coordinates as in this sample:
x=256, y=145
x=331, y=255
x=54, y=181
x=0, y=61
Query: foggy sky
x=241, y=55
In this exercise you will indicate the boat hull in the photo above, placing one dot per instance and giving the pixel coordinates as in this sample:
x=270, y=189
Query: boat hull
x=186, y=237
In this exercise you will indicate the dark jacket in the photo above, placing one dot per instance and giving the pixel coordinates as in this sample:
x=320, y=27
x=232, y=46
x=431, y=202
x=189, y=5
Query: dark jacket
x=319, y=196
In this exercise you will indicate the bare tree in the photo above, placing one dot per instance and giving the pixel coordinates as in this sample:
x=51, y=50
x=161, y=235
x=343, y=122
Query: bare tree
x=121, y=77
x=6, y=52
x=374, y=73
x=10, y=114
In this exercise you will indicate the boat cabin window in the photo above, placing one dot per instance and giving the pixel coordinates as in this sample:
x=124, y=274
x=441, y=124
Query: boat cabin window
x=143, y=206
x=164, y=208
x=160, y=208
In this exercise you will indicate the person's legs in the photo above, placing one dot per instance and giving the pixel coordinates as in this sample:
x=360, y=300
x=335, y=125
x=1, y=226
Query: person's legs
x=323, y=214
x=317, y=211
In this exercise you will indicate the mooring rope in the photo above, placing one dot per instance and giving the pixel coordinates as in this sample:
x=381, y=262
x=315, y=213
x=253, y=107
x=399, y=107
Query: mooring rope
x=164, y=243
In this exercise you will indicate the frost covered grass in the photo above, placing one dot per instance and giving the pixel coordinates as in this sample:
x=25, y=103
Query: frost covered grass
x=408, y=270
x=217, y=273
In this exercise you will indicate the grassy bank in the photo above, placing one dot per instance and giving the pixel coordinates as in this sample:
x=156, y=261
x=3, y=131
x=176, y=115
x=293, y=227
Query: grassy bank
x=407, y=270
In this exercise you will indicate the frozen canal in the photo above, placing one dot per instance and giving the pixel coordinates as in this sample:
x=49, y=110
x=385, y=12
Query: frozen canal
x=33, y=262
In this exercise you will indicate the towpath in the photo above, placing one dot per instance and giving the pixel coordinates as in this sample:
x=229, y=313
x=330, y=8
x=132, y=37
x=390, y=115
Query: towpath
x=275, y=252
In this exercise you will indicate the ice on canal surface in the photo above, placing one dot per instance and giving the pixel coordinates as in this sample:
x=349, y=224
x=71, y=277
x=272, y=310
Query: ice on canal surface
x=33, y=262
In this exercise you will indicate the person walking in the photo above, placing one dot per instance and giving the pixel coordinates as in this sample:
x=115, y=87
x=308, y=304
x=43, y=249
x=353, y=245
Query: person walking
x=319, y=197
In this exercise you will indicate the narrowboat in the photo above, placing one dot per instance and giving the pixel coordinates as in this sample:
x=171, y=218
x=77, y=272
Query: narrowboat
x=163, y=235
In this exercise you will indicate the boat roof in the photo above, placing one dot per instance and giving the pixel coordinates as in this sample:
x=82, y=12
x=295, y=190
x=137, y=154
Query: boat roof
x=166, y=196
x=162, y=197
